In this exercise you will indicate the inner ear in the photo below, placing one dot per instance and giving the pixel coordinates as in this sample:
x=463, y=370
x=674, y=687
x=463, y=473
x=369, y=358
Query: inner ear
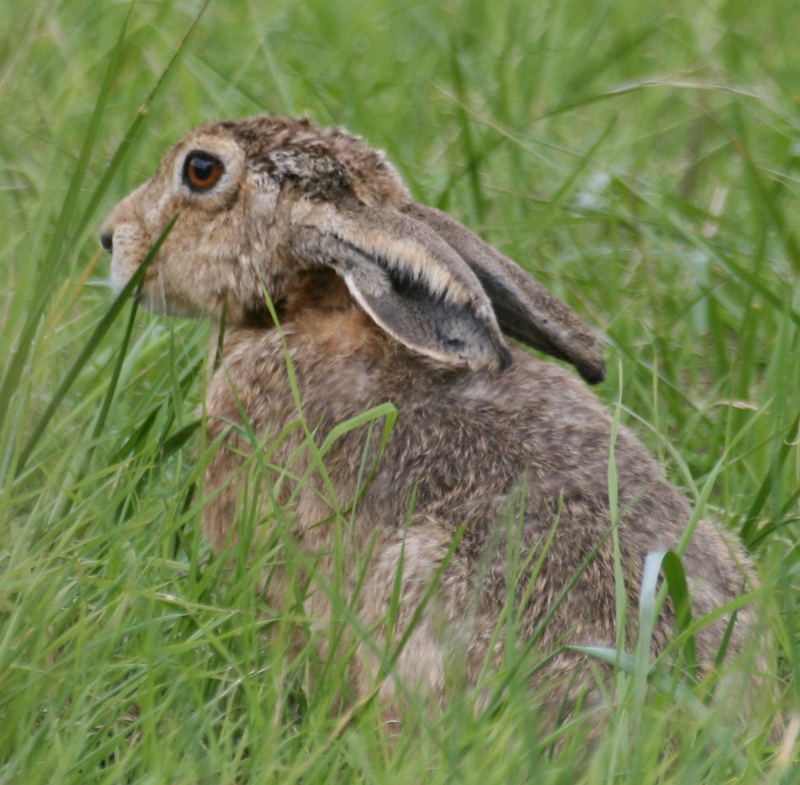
x=408, y=280
x=428, y=322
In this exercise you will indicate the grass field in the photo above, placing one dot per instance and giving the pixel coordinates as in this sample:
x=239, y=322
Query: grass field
x=643, y=159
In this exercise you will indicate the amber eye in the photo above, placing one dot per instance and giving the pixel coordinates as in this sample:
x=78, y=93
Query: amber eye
x=202, y=171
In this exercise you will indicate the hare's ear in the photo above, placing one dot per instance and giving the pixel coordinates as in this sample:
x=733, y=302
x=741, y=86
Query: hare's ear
x=524, y=308
x=407, y=279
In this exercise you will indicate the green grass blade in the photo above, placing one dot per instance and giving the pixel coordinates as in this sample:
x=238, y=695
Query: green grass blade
x=111, y=390
x=58, y=243
x=136, y=127
x=748, y=532
x=89, y=348
x=678, y=588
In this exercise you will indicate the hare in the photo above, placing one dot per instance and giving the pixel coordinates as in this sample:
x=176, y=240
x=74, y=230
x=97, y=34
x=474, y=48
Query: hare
x=306, y=243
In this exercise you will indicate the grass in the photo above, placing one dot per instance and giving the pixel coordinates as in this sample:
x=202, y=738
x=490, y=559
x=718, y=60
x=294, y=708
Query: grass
x=643, y=160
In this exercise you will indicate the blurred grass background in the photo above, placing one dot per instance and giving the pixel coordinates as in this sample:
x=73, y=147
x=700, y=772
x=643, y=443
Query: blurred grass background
x=641, y=159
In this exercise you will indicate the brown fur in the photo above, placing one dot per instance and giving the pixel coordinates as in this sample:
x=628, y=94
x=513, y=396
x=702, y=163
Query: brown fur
x=382, y=300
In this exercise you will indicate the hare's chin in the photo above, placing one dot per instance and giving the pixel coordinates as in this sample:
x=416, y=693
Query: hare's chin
x=118, y=277
x=121, y=273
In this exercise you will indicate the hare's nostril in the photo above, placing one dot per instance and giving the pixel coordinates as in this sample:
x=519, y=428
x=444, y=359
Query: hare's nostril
x=107, y=241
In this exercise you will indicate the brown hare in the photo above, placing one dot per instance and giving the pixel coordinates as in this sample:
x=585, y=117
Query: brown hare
x=309, y=244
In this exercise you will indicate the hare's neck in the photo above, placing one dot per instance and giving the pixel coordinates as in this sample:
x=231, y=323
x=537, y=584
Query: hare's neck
x=319, y=317
x=321, y=291
x=322, y=316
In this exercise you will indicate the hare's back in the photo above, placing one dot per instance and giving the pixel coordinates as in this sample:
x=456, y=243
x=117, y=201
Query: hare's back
x=468, y=445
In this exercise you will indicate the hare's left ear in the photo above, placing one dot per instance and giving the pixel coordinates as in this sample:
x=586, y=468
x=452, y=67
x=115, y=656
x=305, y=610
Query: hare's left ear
x=524, y=308
x=409, y=280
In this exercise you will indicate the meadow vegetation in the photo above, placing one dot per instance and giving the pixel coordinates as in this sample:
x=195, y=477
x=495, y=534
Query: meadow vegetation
x=641, y=159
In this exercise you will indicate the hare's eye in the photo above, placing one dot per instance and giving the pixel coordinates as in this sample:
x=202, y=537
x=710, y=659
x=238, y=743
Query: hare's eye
x=201, y=171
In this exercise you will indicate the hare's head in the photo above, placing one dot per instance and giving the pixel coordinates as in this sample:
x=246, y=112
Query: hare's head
x=263, y=203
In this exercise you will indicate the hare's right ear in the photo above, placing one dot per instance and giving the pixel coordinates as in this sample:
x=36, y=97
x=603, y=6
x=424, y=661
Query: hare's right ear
x=524, y=308
x=409, y=280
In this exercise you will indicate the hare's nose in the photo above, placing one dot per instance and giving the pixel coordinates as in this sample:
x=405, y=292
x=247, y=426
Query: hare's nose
x=107, y=241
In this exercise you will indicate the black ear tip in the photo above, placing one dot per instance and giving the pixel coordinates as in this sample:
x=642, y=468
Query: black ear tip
x=592, y=373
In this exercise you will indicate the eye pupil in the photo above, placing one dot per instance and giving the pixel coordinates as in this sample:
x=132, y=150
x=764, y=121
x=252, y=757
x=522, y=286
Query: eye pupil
x=201, y=170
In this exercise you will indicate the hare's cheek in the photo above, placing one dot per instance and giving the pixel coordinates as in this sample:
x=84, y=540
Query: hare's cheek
x=130, y=247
